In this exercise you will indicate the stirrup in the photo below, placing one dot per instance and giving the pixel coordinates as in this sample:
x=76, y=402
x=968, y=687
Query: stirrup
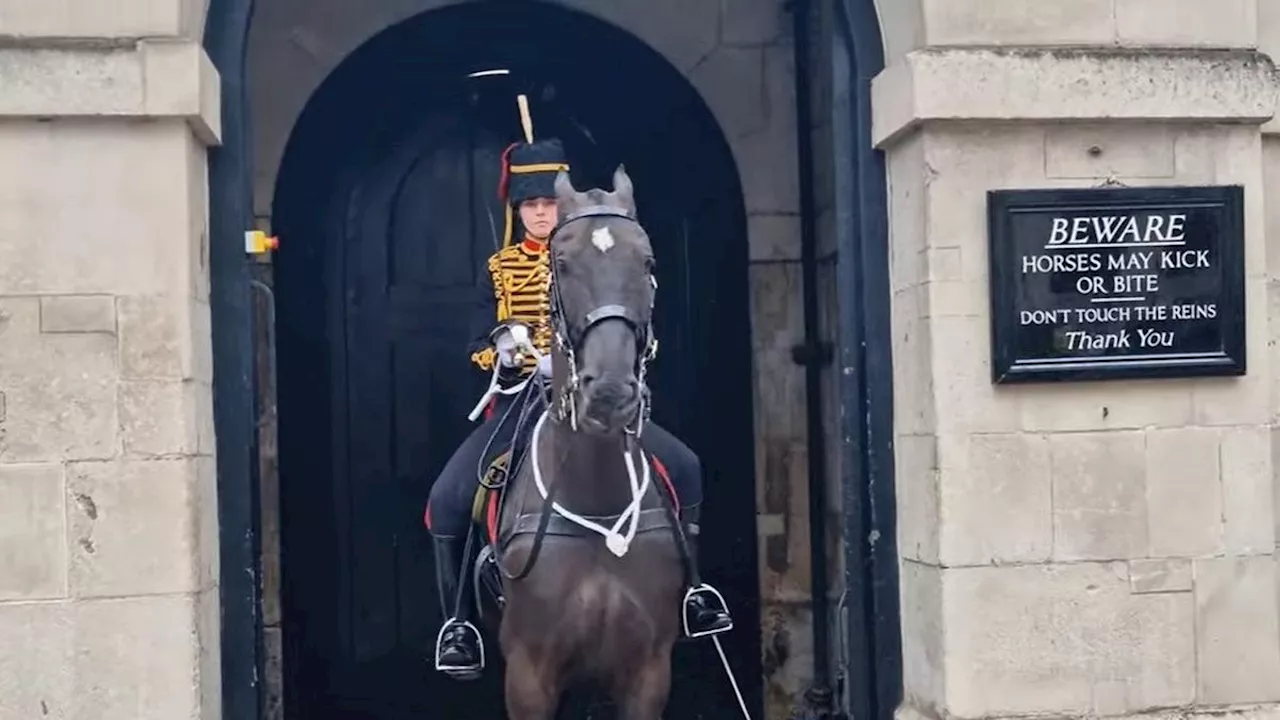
x=448, y=625
x=712, y=594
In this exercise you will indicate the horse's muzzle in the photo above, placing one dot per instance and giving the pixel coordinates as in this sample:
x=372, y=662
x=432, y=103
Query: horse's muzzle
x=609, y=404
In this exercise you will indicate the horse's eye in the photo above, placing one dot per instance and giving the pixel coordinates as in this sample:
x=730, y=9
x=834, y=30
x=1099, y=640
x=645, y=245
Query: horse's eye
x=562, y=267
x=650, y=265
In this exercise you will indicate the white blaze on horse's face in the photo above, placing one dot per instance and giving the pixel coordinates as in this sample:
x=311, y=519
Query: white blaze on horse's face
x=602, y=239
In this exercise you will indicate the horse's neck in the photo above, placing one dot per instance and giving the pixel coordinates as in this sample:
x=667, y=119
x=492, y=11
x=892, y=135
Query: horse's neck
x=589, y=470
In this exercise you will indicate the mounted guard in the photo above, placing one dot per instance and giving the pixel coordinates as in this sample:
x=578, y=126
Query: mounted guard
x=513, y=342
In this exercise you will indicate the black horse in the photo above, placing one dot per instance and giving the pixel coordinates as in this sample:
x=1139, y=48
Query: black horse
x=591, y=550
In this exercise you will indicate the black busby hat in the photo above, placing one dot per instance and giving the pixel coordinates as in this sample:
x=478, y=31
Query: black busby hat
x=530, y=170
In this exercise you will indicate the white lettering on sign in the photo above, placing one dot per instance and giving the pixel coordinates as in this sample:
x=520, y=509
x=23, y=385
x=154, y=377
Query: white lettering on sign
x=1118, y=230
x=1116, y=264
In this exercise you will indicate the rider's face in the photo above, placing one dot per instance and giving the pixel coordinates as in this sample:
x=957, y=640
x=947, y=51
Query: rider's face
x=538, y=216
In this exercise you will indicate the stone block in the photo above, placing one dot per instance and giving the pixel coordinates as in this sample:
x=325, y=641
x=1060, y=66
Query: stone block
x=1241, y=400
x=902, y=26
x=165, y=337
x=1063, y=640
x=1105, y=406
x=1004, y=476
x=36, y=653
x=924, y=651
x=133, y=527
x=957, y=298
x=773, y=237
x=1159, y=576
x=33, y=539
x=180, y=80
x=197, y=244
x=731, y=82
x=950, y=84
x=1237, y=630
x=683, y=32
x=1110, y=151
x=999, y=22
x=1099, y=495
x=1248, y=491
x=1229, y=154
x=58, y=81
x=209, y=647
x=160, y=418
x=915, y=407
x=752, y=22
x=916, y=480
x=136, y=658
x=127, y=185
x=59, y=389
x=92, y=80
x=78, y=314
x=1269, y=28
x=769, y=174
x=968, y=402
x=90, y=19
x=207, y=528
x=1184, y=493
x=961, y=164
x=1188, y=23
x=907, y=239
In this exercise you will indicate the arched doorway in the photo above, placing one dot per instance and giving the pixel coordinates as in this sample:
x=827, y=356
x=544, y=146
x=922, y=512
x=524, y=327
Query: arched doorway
x=386, y=208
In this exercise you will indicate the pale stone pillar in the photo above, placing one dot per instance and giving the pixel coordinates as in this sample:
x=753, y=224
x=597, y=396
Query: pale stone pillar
x=108, y=527
x=1080, y=549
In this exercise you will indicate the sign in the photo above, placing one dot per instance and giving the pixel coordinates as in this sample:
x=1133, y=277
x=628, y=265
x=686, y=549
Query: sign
x=1094, y=284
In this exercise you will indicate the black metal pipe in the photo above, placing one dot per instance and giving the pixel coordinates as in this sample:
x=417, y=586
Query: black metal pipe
x=813, y=355
x=230, y=214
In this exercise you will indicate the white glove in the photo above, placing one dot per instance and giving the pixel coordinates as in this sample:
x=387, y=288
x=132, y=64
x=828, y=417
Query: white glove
x=510, y=339
x=544, y=366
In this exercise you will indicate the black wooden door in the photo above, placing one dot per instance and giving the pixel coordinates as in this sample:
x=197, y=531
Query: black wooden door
x=374, y=362
x=421, y=221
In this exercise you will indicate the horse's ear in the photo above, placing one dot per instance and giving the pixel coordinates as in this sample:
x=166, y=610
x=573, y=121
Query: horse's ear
x=566, y=196
x=623, y=190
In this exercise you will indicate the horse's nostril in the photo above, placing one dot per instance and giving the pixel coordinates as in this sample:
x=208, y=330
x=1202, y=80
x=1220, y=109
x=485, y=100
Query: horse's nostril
x=587, y=379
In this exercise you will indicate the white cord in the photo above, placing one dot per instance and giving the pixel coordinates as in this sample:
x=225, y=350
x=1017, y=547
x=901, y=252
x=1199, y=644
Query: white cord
x=618, y=543
x=732, y=680
x=520, y=335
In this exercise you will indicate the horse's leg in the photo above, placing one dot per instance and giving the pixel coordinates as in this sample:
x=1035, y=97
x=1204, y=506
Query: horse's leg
x=644, y=693
x=532, y=687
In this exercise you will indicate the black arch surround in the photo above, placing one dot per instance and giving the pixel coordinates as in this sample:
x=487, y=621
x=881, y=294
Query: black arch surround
x=873, y=677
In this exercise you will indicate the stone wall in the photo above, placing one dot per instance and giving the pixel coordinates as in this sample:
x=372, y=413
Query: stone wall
x=1096, y=549
x=108, y=526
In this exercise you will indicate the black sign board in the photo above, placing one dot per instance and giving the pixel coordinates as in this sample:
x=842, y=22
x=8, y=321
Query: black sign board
x=1103, y=283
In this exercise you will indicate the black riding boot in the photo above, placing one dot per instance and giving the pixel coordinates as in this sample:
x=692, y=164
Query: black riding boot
x=705, y=612
x=459, y=647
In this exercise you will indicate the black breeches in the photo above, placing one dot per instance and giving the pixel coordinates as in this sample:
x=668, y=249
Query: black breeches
x=452, y=495
x=681, y=463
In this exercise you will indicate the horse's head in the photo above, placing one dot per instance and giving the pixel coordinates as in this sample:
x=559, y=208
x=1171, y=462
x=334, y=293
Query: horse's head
x=602, y=305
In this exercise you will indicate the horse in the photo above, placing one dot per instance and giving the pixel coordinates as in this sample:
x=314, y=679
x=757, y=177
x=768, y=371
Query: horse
x=585, y=516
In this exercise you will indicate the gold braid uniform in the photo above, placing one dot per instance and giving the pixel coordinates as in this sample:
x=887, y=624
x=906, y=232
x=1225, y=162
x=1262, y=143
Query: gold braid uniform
x=521, y=275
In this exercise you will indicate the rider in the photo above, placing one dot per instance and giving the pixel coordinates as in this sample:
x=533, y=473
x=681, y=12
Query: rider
x=514, y=293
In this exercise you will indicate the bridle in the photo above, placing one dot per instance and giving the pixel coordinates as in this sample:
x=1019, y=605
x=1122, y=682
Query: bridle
x=569, y=336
